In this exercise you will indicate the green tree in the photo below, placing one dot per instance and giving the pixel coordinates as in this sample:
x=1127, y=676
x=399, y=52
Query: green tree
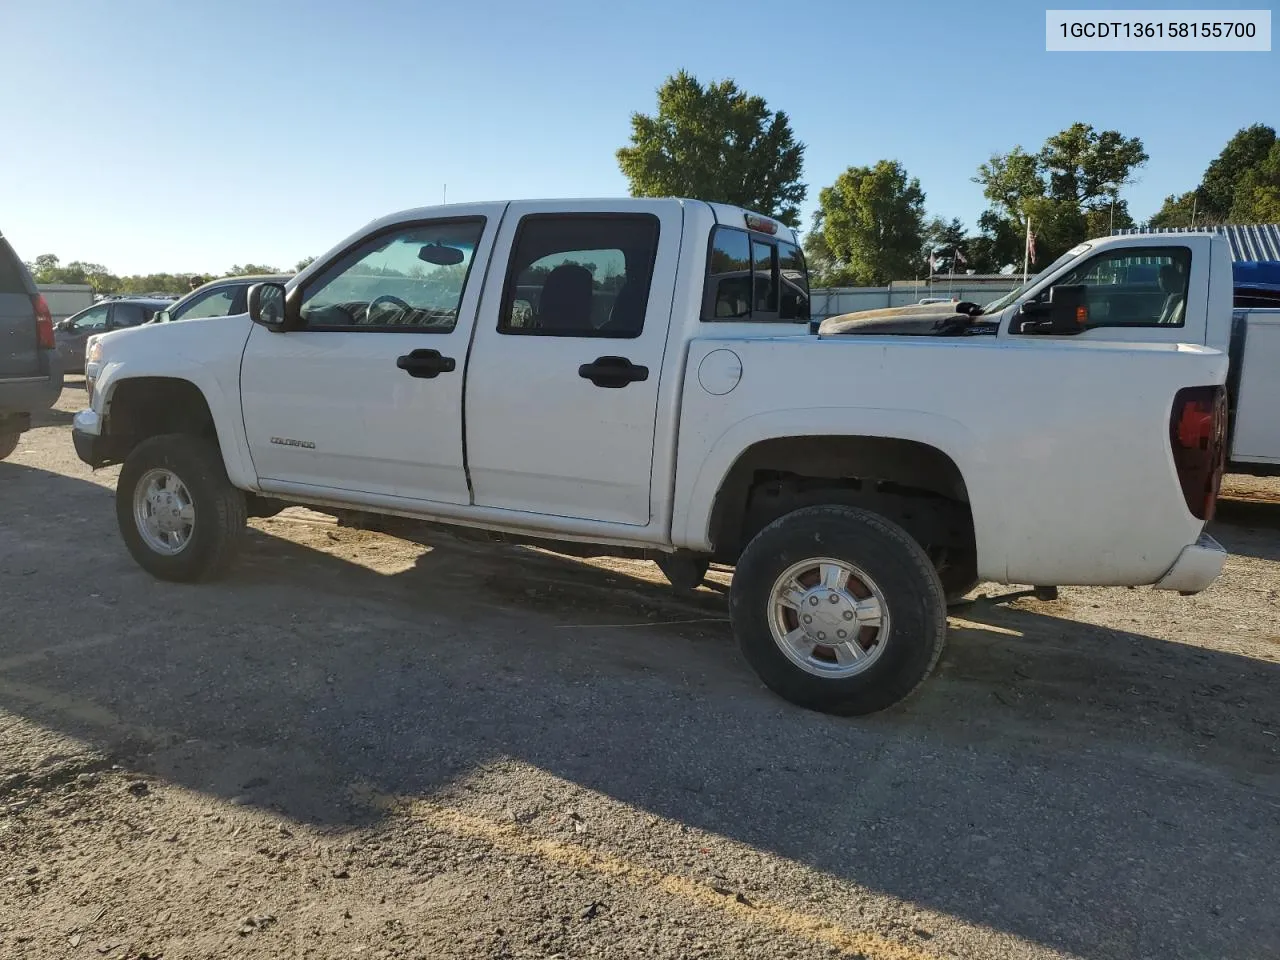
x=1257, y=195
x=1182, y=210
x=717, y=143
x=1070, y=189
x=870, y=225
x=943, y=238
x=1226, y=191
x=1248, y=149
x=303, y=264
x=249, y=270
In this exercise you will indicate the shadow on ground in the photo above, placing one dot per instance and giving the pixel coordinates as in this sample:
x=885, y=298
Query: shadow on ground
x=1066, y=783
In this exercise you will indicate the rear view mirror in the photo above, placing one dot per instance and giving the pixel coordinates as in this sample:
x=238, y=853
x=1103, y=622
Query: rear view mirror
x=267, y=305
x=1063, y=312
x=441, y=255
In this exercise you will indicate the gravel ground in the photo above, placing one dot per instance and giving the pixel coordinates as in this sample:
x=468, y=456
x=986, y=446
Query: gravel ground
x=360, y=745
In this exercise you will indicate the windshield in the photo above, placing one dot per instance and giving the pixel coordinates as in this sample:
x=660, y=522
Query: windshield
x=995, y=306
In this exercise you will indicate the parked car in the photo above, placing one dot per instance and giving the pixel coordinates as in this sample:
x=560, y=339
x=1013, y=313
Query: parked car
x=30, y=369
x=103, y=316
x=562, y=371
x=218, y=298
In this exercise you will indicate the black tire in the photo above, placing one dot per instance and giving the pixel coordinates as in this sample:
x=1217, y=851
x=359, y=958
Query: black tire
x=900, y=568
x=220, y=516
x=8, y=444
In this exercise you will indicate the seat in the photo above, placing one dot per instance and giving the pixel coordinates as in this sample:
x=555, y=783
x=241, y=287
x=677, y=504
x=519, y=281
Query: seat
x=1175, y=301
x=626, y=319
x=565, y=304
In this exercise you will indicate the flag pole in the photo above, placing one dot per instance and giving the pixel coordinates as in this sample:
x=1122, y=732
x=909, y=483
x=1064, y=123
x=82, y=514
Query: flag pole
x=1026, y=253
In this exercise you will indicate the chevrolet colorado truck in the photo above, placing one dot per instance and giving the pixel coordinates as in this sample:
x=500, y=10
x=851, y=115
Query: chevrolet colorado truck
x=638, y=377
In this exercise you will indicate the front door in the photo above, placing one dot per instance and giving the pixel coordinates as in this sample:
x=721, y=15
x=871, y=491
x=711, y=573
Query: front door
x=366, y=398
x=563, y=384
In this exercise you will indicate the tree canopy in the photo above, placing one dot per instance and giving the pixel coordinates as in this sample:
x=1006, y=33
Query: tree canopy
x=718, y=143
x=1070, y=188
x=1238, y=186
x=48, y=268
x=869, y=227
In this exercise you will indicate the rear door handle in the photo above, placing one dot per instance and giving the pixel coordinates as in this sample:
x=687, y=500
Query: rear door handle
x=425, y=363
x=613, y=372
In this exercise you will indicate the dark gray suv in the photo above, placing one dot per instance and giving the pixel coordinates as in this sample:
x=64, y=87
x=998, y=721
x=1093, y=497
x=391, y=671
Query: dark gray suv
x=30, y=369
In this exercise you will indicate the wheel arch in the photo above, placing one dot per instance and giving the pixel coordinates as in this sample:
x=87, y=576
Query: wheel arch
x=919, y=455
x=135, y=408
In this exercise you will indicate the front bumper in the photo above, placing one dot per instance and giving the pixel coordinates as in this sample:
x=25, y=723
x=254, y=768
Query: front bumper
x=86, y=430
x=1197, y=566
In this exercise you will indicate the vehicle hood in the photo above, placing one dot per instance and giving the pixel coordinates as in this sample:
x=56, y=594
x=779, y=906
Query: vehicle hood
x=921, y=320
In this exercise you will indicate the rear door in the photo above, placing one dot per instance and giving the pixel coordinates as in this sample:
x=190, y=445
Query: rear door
x=562, y=385
x=19, y=346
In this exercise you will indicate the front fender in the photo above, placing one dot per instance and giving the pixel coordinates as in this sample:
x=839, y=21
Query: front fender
x=697, y=488
x=204, y=353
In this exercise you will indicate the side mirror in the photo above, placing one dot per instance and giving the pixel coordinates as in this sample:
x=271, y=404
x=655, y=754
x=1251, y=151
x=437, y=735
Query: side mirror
x=1065, y=311
x=269, y=306
x=64, y=325
x=162, y=316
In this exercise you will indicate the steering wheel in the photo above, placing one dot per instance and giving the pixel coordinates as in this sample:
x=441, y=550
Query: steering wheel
x=368, y=314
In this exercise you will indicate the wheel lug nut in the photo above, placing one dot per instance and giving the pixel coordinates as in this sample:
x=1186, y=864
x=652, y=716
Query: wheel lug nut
x=808, y=619
x=821, y=635
x=813, y=601
x=834, y=599
x=841, y=634
x=848, y=614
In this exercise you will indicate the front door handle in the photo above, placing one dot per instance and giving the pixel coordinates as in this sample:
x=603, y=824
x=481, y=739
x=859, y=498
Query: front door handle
x=425, y=363
x=613, y=372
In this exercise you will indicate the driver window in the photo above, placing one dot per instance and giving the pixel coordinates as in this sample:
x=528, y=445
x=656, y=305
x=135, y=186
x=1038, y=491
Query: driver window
x=1135, y=286
x=91, y=320
x=409, y=278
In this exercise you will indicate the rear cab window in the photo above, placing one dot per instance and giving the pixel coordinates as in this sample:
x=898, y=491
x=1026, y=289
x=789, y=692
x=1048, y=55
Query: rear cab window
x=753, y=276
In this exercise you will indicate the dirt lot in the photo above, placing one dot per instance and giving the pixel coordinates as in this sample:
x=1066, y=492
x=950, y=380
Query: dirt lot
x=366, y=746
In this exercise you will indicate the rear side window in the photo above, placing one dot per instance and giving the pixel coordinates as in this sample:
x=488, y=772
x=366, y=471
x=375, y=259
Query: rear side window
x=13, y=275
x=580, y=276
x=750, y=277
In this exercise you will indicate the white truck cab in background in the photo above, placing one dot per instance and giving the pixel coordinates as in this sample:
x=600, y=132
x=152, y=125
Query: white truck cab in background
x=637, y=377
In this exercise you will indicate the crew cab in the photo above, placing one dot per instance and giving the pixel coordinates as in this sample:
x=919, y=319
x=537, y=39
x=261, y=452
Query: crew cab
x=638, y=377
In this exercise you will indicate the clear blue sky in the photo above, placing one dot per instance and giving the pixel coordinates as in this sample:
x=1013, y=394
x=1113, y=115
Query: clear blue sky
x=188, y=136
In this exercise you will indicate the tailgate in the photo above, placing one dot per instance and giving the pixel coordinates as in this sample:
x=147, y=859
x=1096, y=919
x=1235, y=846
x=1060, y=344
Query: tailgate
x=19, y=344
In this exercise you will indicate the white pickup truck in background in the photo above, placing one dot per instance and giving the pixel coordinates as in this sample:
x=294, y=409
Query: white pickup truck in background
x=637, y=377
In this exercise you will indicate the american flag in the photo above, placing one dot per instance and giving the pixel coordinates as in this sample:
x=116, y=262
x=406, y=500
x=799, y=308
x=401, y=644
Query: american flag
x=1031, y=246
x=960, y=257
x=933, y=263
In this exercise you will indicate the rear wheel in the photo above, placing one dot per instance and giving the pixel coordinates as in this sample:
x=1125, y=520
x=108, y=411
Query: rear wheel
x=8, y=444
x=178, y=513
x=838, y=610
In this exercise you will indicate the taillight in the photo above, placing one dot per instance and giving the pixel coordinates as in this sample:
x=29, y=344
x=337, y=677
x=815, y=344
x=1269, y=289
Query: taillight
x=44, y=322
x=1198, y=436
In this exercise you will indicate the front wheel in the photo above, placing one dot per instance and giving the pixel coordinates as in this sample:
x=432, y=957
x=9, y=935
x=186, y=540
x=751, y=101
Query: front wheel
x=8, y=444
x=838, y=610
x=179, y=515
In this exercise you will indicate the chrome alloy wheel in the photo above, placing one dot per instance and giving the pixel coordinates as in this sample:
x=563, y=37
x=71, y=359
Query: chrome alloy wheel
x=828, y=617
x=163, y=511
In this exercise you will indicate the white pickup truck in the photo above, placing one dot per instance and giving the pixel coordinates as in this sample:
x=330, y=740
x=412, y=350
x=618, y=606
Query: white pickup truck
x=638, y=377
